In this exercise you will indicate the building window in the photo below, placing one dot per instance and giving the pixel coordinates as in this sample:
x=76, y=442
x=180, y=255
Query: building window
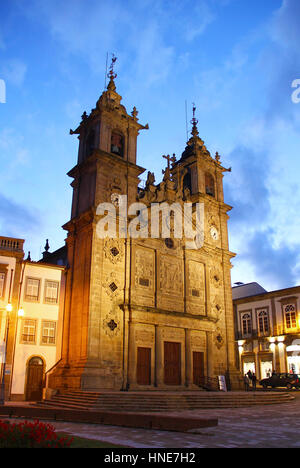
x=246, y=324
x=48, y=332
x=51, y=292
x=90, y=143
x=290, y=316
x=117, y=143
x=32, y=289
x=209, y=185
x=263, y=322
x=2, y=283
x=187, y=182
x=169, y=243
x=28, y=331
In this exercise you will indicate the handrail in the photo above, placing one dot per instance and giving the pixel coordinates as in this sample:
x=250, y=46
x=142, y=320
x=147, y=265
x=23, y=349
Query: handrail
x=54, y=365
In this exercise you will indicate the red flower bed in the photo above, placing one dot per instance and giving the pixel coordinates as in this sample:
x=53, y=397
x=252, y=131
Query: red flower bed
x=31, y=435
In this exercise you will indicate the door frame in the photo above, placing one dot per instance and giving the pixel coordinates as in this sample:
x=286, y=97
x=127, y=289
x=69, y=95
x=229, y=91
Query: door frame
x=27, y=373
x=179, y=363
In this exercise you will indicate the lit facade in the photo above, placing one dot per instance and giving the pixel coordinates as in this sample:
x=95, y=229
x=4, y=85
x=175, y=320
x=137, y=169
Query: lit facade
x=268, y=332
x=35, y=291
x=143, y=313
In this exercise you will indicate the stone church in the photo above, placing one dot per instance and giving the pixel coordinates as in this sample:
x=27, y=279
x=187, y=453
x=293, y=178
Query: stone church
x=143, y=313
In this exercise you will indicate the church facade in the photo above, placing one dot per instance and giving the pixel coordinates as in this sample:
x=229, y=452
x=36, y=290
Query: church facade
x=143, y=312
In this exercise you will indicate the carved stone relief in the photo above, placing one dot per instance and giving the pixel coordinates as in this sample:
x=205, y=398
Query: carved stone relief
x=170, y=276
x=196, y=281
x=114, y=250
x=144, y=269
x=218, y=338
x=216, y=277
x=112, y=285
x=111, y=325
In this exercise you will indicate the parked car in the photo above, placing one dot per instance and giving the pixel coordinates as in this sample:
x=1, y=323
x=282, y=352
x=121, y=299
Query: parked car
x=281, y=380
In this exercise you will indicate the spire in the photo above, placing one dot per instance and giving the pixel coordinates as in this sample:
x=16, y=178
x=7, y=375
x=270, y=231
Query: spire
x=195, y=142
x=111, y=74
x=194, y=122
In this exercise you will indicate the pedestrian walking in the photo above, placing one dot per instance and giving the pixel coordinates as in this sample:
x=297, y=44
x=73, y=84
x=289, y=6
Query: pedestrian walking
x=254, y=379
x=246, y=382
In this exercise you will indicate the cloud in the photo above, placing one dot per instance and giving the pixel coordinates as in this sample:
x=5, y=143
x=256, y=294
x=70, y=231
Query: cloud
x=263, y=226
x=142, y=34
x=198, y=22
x=13, y=71
x=274, y=267
x=280, y=62
x=247, y=184
x=16, y=218
x=10, y=138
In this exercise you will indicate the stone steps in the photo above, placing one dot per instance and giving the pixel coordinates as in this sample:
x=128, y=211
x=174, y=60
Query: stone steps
x=158, y=401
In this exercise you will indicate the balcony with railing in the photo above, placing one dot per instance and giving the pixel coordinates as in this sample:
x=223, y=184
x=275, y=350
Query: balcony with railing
x=253, y=335
x=276, y=330
x=11, y=244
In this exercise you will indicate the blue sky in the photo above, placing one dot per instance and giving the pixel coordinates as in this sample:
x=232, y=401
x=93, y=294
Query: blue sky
x=236, y=59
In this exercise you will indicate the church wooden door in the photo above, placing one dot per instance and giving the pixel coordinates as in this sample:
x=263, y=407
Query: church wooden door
x=35, y=376
x=143, y=366
x=198, y=367
x=172, y=363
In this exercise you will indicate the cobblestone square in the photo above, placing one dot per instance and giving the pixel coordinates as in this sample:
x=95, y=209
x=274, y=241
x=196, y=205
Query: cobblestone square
x=271, y=426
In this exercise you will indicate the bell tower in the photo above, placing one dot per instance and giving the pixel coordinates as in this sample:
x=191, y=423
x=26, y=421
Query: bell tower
x=200, y=178
x=107, y=140
x=106, y=167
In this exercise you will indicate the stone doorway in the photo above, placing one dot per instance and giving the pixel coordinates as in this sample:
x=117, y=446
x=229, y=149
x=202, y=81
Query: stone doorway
x=35, y=379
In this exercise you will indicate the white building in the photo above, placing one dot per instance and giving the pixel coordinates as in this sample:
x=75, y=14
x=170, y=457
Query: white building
x=35, y=291
x=267, y=329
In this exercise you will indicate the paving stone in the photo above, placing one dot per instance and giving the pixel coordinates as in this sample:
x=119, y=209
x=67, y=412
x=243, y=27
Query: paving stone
x=272, y=426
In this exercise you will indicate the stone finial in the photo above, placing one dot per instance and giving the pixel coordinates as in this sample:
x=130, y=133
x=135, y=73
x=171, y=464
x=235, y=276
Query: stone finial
x=217, y=158
x=134, y=113
x=194, y=122
x=47, y=246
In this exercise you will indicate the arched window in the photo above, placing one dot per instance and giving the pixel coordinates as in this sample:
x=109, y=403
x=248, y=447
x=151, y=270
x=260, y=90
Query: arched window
x=290, y=316
x=246, y=324
x=209, y=185
x=263, y=322
x=117, y=143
